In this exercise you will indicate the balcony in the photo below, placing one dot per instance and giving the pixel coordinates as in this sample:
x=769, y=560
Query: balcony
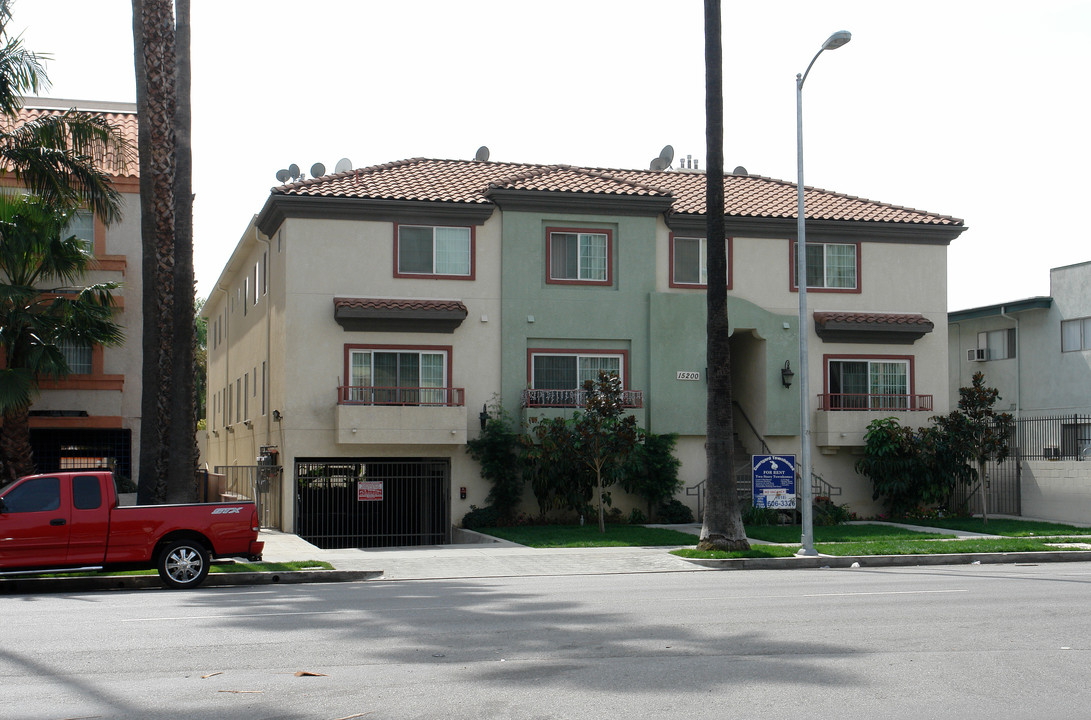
x=400, y=415
x=842, y=418
x=541, y=405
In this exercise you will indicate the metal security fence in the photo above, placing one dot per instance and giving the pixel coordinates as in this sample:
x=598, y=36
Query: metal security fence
x=260, y=483
x=373, y=503
x=56, y=450
x=1060, y=437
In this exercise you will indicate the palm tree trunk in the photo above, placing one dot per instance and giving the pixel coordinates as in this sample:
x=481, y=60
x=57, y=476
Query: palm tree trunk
x=153, y=38
x=722, y=528
x=16, y=458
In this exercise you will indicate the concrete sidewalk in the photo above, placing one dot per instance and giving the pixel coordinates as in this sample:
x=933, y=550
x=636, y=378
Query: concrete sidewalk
x=504, y=559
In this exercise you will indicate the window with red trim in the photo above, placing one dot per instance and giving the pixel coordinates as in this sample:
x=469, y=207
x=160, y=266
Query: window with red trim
x=831, y=267
x=689, y=261
x=434, y=251
x=575, y=255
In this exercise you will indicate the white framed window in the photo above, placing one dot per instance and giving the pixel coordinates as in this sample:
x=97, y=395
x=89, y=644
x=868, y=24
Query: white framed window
x=578, y=256
x=398, y=376
x=77, y=355
x=1076, y=334
x=689, y=261
x=434, y=251
x=81, y=225
x=568, y=371
x=868, y=384
x=830, y=266
x=999, y=343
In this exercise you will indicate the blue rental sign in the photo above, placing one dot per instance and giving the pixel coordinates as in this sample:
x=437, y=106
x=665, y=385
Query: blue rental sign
x=774, y=478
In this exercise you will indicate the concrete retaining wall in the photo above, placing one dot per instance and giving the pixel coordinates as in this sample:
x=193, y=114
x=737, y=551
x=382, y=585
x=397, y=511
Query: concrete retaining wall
x=1059, y=491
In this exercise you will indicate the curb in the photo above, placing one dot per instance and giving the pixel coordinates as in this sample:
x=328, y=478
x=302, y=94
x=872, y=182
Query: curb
x=848, y=561
x=141, y=582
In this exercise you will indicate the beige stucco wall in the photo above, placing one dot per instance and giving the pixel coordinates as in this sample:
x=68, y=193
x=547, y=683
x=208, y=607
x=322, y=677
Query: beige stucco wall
x=1059, y=491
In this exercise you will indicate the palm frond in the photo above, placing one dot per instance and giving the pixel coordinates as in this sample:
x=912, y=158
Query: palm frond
x=21, y=72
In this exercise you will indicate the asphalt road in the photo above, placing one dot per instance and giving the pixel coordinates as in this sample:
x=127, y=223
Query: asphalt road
x=988, y=641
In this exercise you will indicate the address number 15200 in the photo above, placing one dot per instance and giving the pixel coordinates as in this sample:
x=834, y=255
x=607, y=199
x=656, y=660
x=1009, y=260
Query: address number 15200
x=689, y=375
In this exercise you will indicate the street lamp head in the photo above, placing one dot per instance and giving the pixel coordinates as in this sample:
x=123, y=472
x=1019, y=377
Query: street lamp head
x=839, y=38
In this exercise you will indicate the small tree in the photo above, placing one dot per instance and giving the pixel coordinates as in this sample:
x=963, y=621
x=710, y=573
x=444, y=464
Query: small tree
x=651, y=471
x=977, y=430
x=495, y=450
x=597, y=439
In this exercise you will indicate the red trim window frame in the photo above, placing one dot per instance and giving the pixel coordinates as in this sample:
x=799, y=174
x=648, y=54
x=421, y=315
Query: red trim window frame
x=398, y=273
x=446, y=349
x=623, y=354
x=911, y=384
x=550, y=231
x=704, y=245
x=794, y=287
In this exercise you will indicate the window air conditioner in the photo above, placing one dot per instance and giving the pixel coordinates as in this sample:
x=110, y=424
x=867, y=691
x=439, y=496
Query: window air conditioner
x=977, y=355
x=1051, y=452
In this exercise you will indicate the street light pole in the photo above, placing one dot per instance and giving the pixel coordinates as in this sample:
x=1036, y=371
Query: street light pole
x=807, y=540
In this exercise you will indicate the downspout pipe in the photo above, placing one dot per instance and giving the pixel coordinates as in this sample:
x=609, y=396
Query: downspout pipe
x=268, y=337
x=1018, y=362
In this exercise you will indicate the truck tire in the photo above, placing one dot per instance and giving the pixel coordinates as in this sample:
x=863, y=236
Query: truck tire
x=183, y=564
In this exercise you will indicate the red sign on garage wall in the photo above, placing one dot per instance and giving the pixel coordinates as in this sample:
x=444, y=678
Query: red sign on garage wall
x=369, y=490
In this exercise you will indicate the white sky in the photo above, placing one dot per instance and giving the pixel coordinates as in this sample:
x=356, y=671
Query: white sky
x=972, y=109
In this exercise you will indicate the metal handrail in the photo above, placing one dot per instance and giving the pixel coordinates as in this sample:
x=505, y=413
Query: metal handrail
x=370, y=395
x=533, y=397
x=753, y=429
x=837, y=402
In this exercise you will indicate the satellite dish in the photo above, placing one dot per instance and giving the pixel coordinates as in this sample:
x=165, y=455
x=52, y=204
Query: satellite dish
x=667, y=154
x=740, y=170
x=659, y=164
x=293, y=171
x=282, y=175
x=343, y=165
x=318, y=170
x=482, y=154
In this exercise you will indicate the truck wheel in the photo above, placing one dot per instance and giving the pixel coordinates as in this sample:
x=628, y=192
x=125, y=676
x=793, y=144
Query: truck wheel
x=183, y=564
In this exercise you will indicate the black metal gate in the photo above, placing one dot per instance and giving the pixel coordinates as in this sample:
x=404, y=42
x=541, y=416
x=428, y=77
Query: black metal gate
x=1001, y=489
x=348, y=503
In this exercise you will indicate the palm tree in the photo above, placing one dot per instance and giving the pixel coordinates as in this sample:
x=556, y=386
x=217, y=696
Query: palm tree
x=41, y=309
x=63, y=158
x=722, y=527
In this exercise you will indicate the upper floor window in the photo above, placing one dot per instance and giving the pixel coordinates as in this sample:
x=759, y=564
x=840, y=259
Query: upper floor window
x=81, y=224
x=579, y=256
x=398, y=376
x=830, y=266
x=434, y=251
x=77, y=355
x=1076, y=334
x=869, y=383
x=1000, y=344
x=689, y=262
x=568, y=371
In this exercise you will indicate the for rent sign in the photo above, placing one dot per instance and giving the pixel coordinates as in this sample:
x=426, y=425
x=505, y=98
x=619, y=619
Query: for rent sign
x=369, y=490
x=774, y=478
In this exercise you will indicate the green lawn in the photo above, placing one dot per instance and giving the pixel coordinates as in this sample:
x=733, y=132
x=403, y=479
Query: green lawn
x=1003, y=526
x=925, y=547
x=835, y=533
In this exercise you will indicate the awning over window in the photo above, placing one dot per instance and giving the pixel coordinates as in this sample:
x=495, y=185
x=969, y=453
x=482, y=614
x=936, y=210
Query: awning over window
x=888, y=328
x=392, y=315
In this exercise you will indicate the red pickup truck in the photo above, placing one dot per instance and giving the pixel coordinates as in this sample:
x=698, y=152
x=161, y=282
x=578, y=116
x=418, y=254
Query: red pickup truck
x=72, y=520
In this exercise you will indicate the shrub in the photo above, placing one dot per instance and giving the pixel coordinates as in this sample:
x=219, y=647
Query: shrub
x=487, y=516
x=674, y=512
x=651, y=470
x=828, y=513
x=759, y=516
x=496, y=449
x=636, y=517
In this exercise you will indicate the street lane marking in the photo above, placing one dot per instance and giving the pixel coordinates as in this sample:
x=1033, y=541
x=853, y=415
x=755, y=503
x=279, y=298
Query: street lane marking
x=889, y=592
x=233, y=617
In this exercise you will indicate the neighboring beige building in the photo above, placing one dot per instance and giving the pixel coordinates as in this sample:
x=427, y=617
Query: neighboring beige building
x=365, y=317
x=93, y=415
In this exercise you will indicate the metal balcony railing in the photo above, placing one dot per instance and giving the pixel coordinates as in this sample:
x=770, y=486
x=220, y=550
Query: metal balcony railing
x=368, y=395
x=575, y=398
x=874, y=402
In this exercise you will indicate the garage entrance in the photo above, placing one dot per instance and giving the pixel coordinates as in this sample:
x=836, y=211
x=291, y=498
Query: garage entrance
x=364, y=502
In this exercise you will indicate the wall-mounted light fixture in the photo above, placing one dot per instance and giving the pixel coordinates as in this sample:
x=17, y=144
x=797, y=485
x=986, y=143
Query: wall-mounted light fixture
x=249, y=424
x=230, y=429
x=483, y=416
x=786, y=374
x=277, y=416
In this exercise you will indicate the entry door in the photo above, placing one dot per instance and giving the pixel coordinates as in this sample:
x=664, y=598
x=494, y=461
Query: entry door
x=34, y=525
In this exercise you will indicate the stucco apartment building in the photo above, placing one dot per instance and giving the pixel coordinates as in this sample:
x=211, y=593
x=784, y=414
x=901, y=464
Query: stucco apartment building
x=366, y=317
x=92, y=417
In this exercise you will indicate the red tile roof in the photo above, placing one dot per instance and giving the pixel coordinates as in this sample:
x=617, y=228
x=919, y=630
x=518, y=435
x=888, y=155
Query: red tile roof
x=397, y=304
x=821, y=318
x=125, y=123
x=466, y=181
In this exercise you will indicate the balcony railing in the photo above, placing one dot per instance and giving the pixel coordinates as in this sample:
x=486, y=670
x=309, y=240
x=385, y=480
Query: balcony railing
x=575, y=398
x=367, y=395
x=872, y=402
